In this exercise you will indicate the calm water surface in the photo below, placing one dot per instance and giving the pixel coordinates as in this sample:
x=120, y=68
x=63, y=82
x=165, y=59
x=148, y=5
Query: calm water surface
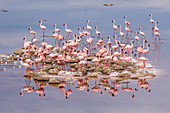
x=21, y=15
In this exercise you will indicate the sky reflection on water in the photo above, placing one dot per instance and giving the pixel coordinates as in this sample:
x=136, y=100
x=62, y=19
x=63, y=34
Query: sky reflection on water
x=23, y=14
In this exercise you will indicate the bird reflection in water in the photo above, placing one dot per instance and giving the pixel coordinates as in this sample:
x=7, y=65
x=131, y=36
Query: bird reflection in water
x=27, y=88
x=92, y=85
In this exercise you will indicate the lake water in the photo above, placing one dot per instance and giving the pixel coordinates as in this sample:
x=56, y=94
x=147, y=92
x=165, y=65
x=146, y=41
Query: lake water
x=21, y=15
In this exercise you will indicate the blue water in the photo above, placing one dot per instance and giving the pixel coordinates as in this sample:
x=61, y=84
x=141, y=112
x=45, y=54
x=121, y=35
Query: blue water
x=21, y=15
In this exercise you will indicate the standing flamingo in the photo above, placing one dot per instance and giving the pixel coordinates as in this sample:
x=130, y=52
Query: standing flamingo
x=89, y=27
x=32, y=32
x=97, y=32
x=151, y=20
x=43, y=28
x=114, y=26
x=67, y=30
x=120, y=32
x=57, y=30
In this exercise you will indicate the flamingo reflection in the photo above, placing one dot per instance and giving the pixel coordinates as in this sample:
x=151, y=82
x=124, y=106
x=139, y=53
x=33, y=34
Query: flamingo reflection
x=27, y=88
x=127, y=88
x=143, y=84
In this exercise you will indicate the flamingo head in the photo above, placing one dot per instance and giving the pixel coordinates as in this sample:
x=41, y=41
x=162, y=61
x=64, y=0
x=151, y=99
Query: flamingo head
x=132, y=41
x=64, y=24
x=149, y=45
x=156, y=22
x=29, y=28
x=125, y=17
x=137, y=32
x=40, y=21
x=139, y=28
x=145, y=41
x=132, y=51
x=135, y=54
x=84, y=28
x=24, y=38
x=132, y=96
x=95, y=26
x=113, y=20
x=54, y=24
x=87, y=20
x=114, y=36
x=21, y=94
x=149, y=90
x=150, y=14
x=108, y=37
x=79, y=28
x=119, y=26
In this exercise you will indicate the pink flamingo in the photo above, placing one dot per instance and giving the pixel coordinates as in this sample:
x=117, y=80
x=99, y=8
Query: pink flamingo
x=126, y=22
x=57, y=30
x=157, y=34
x=43, y=28
x=143, y=59
x=81, y=33
x=145, y=51
x=114, y=26
x=67, y=30
x=129, y=47
x=97, y=32
x=89, y=27
x=141, y=33
x=127, y=59
x=26, y=65
x=151, y=20
x=109, y=42
x=32, y=32
x=120, y=32
x=137, y=38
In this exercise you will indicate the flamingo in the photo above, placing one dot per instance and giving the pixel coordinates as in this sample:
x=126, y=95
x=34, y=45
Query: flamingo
x=127, y=29
x=67, y=30
x=114, y=26
x=141, y=33
x=129, y=47
x=85, y=32
x=97, y=32
x=57, y=30
x=156, y=28
x=120, y=32
x=81, y=33
x=137, y=38
x=43, y=28
x=32, y=32
x=143, y=59
x=126, y=22
x=26, y=65
x=127, y=59
x=89, y=27
x=157, y=34
x=151, y=20
x=55, y=35
x=26, y=43
x=145, y=51
x=109, y=42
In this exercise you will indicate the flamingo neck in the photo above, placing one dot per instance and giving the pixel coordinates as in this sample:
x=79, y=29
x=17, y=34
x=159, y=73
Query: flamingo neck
x=65, y=26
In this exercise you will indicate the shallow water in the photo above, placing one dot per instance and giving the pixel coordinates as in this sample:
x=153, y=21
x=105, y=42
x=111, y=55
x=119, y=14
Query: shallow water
x=21, y=15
